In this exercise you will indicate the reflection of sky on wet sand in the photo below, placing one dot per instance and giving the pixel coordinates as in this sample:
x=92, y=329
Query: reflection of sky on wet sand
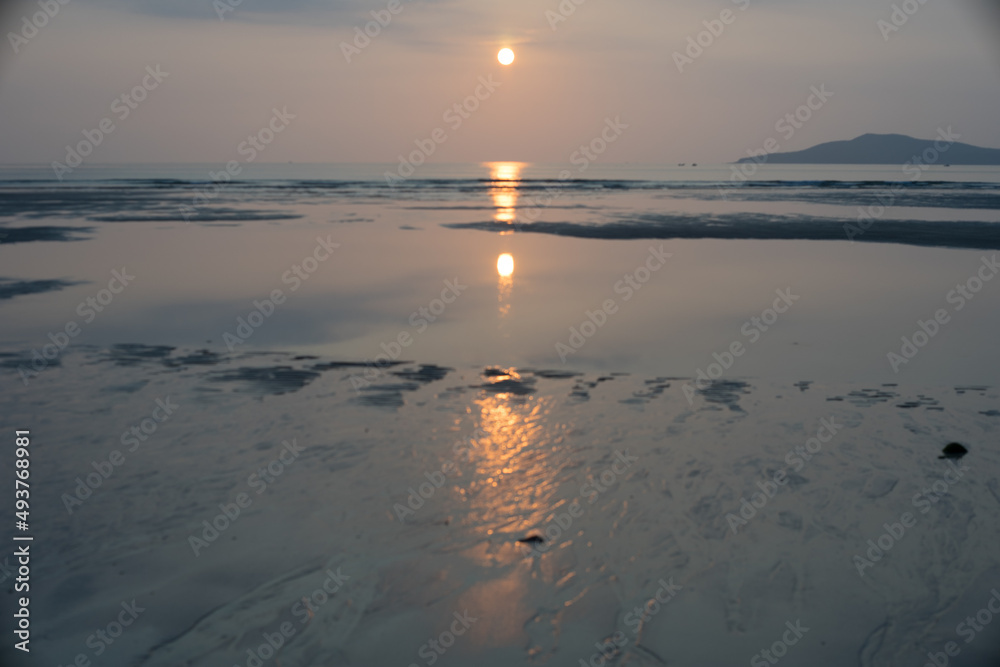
x=536, y=446
x=857, y=299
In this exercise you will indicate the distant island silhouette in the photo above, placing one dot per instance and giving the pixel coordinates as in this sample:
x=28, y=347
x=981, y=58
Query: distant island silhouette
x=892, y=149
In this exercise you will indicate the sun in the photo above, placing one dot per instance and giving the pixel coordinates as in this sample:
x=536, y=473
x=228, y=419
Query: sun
x=505, y=265
x=506, y=56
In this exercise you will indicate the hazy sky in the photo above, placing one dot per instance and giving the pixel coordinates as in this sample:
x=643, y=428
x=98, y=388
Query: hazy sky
x=607, y=59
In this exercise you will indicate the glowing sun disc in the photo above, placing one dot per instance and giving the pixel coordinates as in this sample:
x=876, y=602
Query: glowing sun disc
x=506, y=56
x=505, y=265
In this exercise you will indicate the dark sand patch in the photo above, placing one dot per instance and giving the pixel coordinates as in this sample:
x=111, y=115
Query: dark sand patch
x=276, y=380
x=200, y=215
x=336, y=365
x=759, y=226
x=197, y=358
x=555, y=375
x=386, y=395
x=10, y=288
x=654, y=388
x=524, y=387
x=130, y=354
x=426, y=373
x=29, y=234
x=725, y=392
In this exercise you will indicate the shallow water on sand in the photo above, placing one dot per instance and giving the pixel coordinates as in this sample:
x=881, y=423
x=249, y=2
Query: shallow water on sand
x=407, y=500
x=613, y=303
x=673, y=433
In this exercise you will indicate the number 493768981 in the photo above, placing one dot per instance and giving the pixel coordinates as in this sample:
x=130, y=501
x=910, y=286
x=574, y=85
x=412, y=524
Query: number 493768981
x=22, y=465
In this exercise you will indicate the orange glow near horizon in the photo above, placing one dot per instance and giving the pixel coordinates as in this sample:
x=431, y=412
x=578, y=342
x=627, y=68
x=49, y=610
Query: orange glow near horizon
x=505, y=177
x=505, y=171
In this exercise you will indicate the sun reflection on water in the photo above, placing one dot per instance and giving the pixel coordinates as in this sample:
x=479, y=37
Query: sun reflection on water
x=505, y=269
x=505, y=177
x=516, y=465
x=512, y=481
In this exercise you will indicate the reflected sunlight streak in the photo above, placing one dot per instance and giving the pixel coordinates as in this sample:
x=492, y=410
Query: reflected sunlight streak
x=504, y=287
x=513, y=483
x=505, y=177
x=505, y=267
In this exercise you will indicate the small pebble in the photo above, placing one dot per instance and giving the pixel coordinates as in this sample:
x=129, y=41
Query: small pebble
x=954, y=451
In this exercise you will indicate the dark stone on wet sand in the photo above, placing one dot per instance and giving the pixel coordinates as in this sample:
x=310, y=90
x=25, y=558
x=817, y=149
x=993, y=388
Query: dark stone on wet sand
x=953, y=451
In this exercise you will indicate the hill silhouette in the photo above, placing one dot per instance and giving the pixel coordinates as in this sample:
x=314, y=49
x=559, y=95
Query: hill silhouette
x=887, y=149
